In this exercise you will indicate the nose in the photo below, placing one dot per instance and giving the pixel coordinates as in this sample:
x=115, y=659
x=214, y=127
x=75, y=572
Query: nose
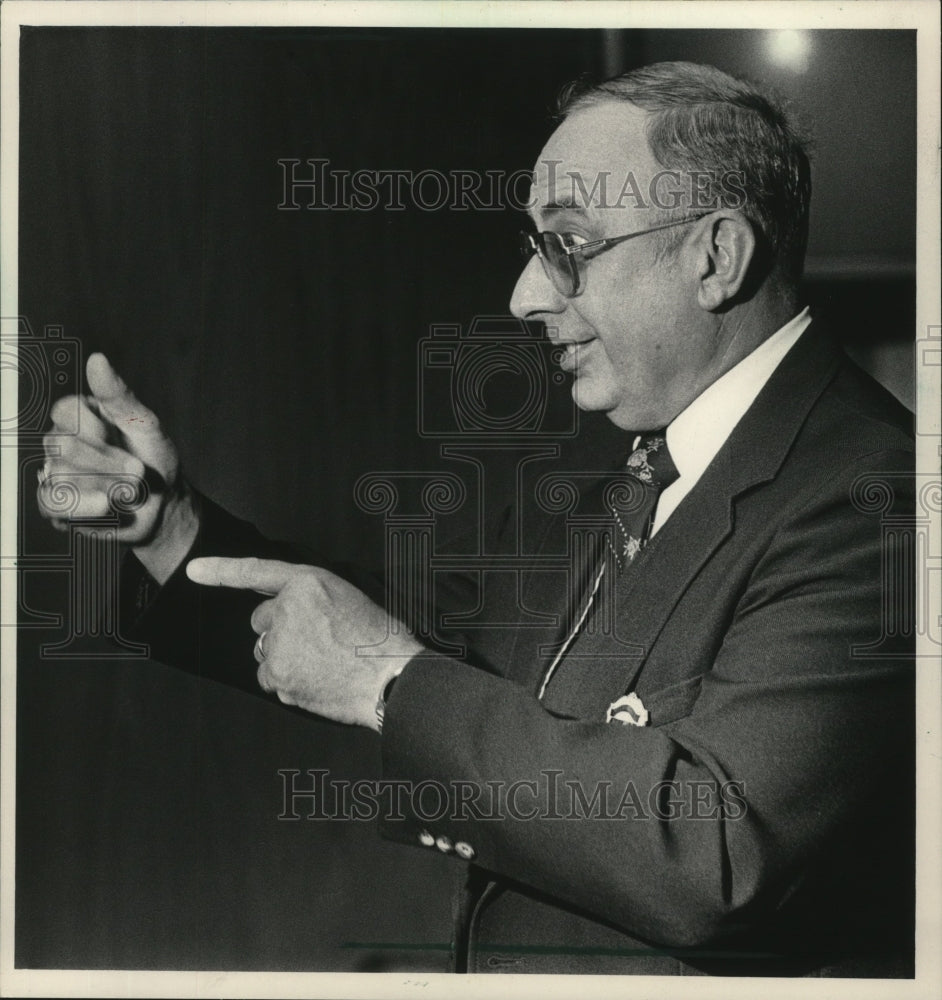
x=534, y=293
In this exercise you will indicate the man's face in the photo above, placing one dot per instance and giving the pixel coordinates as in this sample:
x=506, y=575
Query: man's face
x=634, y=337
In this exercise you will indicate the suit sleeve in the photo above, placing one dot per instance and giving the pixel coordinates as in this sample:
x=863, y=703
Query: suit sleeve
x=206, y=630
x=202, y=630
x=805, y=729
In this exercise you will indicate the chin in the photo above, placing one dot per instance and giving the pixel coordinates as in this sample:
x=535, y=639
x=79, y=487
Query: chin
x=637, y=423
x=632, y=418
x=591, y=397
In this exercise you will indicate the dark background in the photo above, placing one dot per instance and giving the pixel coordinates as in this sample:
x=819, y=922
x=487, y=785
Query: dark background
x=280, y=349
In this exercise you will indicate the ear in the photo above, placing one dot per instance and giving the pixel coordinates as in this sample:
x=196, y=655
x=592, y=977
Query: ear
x=726, y=247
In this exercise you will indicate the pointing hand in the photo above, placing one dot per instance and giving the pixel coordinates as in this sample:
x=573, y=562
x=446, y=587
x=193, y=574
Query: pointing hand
x=323, y=645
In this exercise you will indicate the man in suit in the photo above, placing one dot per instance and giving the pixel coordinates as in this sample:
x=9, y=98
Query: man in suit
x=696, y=767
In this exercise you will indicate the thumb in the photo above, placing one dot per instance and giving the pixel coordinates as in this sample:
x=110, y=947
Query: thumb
x=115, y=399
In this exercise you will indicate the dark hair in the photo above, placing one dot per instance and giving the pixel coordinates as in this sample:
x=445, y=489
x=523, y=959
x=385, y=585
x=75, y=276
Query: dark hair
x=703, y=119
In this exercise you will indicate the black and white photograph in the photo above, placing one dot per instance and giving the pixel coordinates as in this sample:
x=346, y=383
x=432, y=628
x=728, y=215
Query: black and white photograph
x=471, y=499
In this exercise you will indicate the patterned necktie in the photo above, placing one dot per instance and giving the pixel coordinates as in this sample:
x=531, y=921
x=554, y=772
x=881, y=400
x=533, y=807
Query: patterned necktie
x=648, y=471
x=631, y=497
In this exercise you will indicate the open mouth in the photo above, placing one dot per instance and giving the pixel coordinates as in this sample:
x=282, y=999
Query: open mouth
x=569, y=355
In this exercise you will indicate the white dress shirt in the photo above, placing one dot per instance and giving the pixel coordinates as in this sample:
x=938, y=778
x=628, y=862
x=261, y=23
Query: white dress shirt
x=696, y=435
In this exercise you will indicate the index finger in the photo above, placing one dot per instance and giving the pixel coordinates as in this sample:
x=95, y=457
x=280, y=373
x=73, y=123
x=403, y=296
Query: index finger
x=267, y=576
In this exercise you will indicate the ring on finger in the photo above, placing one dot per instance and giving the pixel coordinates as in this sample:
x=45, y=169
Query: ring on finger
x=260, y=653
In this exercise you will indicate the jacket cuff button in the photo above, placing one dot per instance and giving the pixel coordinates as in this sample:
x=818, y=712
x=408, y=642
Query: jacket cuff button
x=426, y=839
x=464, y=850
x=444, y=845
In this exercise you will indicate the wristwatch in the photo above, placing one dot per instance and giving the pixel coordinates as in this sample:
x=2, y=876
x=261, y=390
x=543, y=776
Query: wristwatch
x=382, y=699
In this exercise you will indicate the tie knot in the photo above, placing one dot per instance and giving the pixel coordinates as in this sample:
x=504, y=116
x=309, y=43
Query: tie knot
x=651, y=462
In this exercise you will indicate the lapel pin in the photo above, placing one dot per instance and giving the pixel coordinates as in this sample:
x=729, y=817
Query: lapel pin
x=629, y=710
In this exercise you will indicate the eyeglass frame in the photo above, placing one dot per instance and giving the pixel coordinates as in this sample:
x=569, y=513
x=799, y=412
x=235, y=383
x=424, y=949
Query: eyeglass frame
x=531, y=247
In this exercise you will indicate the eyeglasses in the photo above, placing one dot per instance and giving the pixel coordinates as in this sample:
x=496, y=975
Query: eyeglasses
x=560, y=256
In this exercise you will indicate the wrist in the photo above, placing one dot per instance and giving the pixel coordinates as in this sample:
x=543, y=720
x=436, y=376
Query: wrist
x=174, y=537
x=385, y=690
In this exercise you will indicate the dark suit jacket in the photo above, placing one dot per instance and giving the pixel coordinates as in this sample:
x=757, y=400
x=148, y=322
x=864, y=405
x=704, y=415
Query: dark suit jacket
x=750, y=628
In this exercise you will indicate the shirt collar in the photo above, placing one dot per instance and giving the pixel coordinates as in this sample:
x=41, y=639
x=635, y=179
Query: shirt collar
x=696, y=435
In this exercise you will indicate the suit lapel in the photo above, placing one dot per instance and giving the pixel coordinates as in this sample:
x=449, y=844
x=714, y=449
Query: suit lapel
x=647, y=593
x=552, y=592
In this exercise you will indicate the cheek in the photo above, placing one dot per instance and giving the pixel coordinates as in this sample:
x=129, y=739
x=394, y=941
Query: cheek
x=622, y=336
x=637, y=320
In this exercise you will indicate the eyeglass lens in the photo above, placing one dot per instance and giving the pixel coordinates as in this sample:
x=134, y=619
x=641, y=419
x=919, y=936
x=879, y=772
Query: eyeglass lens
x=560, y=267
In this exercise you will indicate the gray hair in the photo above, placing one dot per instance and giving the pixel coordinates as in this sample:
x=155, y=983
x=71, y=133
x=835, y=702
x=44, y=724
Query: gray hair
x=705, y=120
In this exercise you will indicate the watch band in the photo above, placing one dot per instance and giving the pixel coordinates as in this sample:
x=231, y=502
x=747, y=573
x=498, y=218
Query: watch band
x=381, y=701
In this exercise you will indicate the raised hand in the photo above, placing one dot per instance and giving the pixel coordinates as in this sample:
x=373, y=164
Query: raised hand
x=106, y=454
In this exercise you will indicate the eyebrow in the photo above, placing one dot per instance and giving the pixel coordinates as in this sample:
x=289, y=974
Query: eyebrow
x=564, y=205
x=559, y=207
